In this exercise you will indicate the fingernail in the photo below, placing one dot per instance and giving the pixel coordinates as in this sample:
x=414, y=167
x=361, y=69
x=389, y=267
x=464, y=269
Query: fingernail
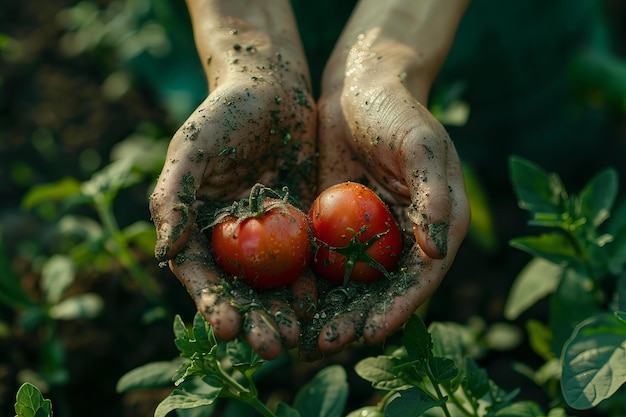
x=438, y=235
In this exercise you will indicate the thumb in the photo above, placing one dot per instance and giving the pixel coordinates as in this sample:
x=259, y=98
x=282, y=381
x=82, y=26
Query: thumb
x=427, y=178
x=173, y=201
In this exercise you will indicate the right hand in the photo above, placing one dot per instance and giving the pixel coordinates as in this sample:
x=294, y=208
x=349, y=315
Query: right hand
x=257, y=125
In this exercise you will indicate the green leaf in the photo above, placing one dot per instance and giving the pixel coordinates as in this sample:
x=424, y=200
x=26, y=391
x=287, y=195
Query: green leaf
x=594, y=361
x=242, y=356
x=537, y=191
x=381, y=372
x=182, y=399
x=412, y=402
x=482, y=228
x=554, y=247
x=476, y=382
x=442, y=369
x=57, y=191
x=57, y=274
x=540, y=338
x=81, y=306
x=203, y=334
x=180, y=330
x=538, y=279
x=451, y=340
x=416, y=339
x=598, y=197
x=29, y=402
x=368, y=411
x=520, y=409
x=110, y=179
x=151, y=375
x=325, y=395
x=284, y=410
x=571, y=303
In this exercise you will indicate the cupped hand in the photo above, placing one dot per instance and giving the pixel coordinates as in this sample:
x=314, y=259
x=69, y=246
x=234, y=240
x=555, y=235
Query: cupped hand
x=373, y=127
x=256, y=126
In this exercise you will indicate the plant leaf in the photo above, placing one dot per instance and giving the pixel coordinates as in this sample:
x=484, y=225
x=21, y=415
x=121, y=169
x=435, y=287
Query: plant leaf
x=571, y=303
x=151, y=375
x=29, y=402
x=412, y=402
x=381, y=372
x=81, y=306
x=284, y=410
x=554, y=247
x=476, y=382
x=538, y=279
x=520, y=409
x=179, y=398
x=57, y=191
x=325, y=395
x=539, y=338
x=57, y=274
x=416, y=339
x=594, y=361
x=598, y=197
x=537, y=191
x=443, y=369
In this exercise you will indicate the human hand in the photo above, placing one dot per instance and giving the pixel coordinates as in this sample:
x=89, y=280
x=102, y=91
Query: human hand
x=257, y=125
x=374, y=127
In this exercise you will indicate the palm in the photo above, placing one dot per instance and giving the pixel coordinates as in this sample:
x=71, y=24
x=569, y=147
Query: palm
x=384, y=136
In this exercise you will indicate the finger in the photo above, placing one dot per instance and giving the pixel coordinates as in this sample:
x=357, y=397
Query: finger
x=304, y=297
x=172, y=203
x=262, y=334
x=426, y=170
x=422, y=274
x=284, y=319
x=341, y=331
x=194, y=270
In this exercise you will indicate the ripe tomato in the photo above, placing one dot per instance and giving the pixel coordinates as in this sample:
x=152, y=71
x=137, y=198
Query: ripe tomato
x=268, y=250
x=356, y=235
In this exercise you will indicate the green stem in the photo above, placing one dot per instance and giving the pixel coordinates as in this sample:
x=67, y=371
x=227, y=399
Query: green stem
x=121, y=249
x=460, y=406
x=440, y=395
x=242, y=393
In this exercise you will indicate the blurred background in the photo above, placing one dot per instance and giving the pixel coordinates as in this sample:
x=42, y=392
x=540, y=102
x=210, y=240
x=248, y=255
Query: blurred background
x=91, y=92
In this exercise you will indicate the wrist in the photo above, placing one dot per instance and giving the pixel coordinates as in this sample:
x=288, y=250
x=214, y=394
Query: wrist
x=401, y=39
x=239, y=37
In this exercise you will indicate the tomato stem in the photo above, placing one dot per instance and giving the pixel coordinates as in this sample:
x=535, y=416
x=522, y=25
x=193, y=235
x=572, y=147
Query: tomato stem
x=357, y=251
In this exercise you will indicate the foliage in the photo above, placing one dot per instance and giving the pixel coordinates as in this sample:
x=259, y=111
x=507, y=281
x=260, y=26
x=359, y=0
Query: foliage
x=212, y=370
x=578, y=263
x=29, y=402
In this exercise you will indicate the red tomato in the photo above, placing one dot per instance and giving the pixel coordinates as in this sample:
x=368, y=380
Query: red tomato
x=349, y=221
x=270, y=250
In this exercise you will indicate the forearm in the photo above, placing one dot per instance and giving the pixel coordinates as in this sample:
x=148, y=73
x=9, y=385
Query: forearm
x=230, y=34
x=412, y=35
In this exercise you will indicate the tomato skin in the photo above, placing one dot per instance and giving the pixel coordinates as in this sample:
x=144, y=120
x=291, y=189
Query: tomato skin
x=336, y=215
x=269, y=251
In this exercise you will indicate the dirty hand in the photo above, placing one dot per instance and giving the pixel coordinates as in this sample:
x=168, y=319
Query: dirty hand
x=257, y=125
x=373, y=126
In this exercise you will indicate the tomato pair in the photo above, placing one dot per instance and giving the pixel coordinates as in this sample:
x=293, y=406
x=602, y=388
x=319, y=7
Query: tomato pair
x=349, y=234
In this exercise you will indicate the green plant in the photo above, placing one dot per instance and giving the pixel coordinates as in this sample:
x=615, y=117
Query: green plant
x=427, y=373
x=211, y=370
x=29, y=402
x=92, y=243
x=578, y=263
